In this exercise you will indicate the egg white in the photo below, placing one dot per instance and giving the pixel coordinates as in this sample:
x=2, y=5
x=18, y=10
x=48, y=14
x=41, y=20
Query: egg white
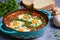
x=26, y=29
x=20, y=26
x=39, y=22
x=19, y=22
x=21, y=16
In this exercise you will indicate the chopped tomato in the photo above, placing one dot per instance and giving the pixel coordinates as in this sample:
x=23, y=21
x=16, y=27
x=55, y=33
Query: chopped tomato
x=35, y=14
x=8, y=24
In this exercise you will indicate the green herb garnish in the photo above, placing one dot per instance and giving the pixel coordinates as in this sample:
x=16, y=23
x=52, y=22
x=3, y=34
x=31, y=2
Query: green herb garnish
x=8, y=6
x=17, y=27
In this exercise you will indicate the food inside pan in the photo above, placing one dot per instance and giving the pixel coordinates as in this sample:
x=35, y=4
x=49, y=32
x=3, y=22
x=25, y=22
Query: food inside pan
x=25, y=20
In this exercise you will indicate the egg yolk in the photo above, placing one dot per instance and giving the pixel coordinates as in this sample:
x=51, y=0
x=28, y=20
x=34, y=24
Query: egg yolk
x=34, y=21
x=21, y=30
x=25, y=16
x=15, y=24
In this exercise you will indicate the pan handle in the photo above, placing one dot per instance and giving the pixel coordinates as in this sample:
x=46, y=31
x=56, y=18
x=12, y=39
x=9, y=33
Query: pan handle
x=6, y=31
